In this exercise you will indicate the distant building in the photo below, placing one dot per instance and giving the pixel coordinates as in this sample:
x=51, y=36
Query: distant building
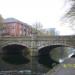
x=50, y=31
x=15, y=27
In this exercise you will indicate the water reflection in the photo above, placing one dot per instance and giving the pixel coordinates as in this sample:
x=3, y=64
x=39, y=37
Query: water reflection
x=15, y=59
x=50, y=56
x=60, y=54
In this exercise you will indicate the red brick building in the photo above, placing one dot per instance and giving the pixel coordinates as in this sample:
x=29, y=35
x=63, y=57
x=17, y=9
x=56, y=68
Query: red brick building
x=15, y=27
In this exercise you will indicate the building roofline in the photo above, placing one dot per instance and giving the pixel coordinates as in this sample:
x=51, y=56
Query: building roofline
x=14, y=20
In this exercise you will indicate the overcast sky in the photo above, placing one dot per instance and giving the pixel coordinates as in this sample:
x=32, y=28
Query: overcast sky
x=47, y=12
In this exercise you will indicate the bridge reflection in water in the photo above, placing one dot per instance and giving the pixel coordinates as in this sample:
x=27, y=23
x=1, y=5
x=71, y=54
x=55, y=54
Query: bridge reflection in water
x=17, y=57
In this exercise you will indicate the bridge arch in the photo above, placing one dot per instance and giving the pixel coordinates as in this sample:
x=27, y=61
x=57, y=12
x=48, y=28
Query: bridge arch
x=11, y=52
x=53, y=44
x=45, y=58
x=13, y=42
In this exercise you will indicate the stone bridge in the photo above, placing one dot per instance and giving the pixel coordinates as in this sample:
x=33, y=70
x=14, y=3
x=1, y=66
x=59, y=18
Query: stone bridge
x=39, y=41
x=30, y=47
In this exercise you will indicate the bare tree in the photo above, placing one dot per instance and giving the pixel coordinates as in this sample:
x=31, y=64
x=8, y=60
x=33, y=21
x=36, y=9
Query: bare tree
x=69, y=17
x=37, y=28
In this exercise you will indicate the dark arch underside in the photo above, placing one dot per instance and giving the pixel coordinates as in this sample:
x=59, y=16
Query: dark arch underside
x=45, y=58
x=13, y=54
